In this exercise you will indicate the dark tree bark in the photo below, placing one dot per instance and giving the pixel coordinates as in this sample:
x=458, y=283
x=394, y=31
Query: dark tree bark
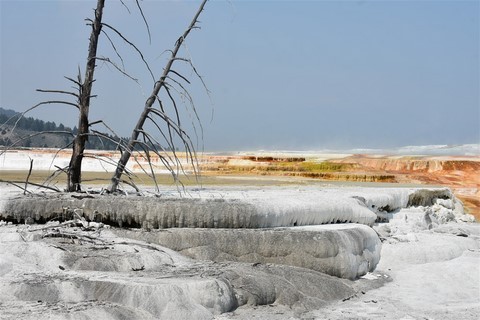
x=75, y=167
x=149, y=105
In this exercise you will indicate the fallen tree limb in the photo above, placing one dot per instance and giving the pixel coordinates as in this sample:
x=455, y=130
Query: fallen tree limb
x=73, y=235
x=14, y=183
x=63, y=224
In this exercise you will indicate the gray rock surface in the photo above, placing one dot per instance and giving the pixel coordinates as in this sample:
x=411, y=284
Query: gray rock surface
x=97, y=275
x=345, y=250
x=153, y=213
x=428, y=270
x=236, y=208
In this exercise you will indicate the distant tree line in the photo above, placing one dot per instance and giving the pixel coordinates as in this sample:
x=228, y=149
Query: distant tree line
x=109, y=142
x=32, y=124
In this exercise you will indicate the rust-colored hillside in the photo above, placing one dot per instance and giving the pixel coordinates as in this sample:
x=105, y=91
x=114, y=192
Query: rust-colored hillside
x=461, y=174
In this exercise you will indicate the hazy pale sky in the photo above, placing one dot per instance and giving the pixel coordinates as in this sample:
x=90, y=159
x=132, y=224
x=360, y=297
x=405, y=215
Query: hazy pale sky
x=282, y=74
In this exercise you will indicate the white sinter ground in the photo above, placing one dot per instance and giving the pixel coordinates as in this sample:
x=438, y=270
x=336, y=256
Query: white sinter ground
x=430, y=257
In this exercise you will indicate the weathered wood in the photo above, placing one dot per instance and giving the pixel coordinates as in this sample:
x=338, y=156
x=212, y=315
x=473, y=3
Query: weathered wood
x=75, y=167
x=161, y=83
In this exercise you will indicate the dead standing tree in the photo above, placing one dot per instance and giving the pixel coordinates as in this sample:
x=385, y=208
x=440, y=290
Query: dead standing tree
x=83, y=96
x=173, y=125
x=74, y=171
x=149, y=143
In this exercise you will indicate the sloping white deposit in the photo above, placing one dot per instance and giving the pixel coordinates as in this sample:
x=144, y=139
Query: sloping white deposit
x=343, y=250
x=239, y=208
x=107, y=277
x=49, y=272
x=287, y=206
x=426, y=252
x=347, y=252
x=434, y=272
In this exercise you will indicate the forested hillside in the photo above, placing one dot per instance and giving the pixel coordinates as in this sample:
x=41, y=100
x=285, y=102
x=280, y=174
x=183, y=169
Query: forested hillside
x=18, y=131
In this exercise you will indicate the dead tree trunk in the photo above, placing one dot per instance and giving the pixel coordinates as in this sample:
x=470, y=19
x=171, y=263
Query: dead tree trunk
x=149, y=103
x=75, y=167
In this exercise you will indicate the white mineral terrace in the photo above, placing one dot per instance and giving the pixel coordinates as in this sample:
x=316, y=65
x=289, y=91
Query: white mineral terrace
x=236, y=252
x=426, y=267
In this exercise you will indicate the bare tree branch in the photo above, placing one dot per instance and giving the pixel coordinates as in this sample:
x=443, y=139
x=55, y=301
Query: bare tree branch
x=178, y=74
x=31, y=136
x=28, y=176
x=123, y=3
x=147, y=154
x=185, y=94
x=131, y=184
x=189, y=61
x=150, y=101
x=175, y=108
x=22, y=114
x=117, y=68
x=14, y=183
x=120, y=143
x=166, y=162
x=114, y=48
x=58, y=91
x=58, y=151
x=190, y=153
x=74, y=81
x=131, y=44
x=98, y=134
x=54, y=174
x=144, y=20
x=170, y=126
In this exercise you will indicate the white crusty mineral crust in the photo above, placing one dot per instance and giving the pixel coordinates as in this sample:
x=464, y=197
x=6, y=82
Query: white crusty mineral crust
x=343, y=250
